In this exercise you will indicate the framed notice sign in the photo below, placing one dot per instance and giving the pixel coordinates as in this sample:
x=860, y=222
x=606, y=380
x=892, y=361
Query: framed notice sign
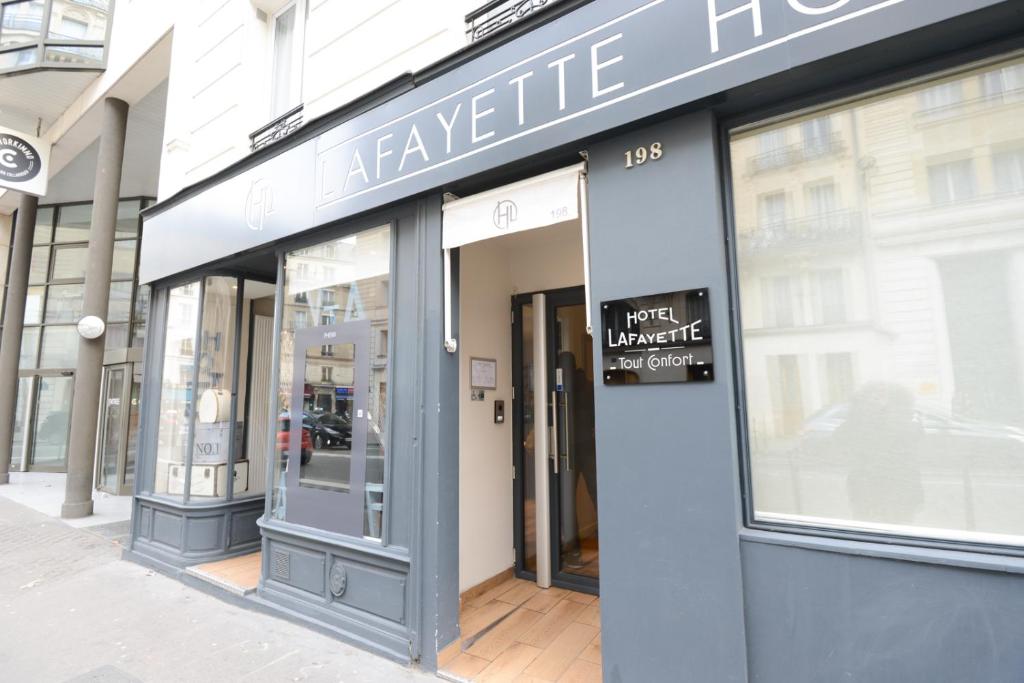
x=23, y=162
x=483, y=373
x=657, y=338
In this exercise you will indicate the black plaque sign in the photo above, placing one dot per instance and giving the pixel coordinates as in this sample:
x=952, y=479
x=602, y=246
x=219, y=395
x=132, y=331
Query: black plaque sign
x=657, y=338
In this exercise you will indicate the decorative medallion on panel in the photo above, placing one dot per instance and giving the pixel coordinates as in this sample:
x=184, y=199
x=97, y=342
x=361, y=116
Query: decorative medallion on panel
x=338, y=579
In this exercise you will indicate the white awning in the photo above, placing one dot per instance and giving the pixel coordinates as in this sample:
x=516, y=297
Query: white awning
x=532, y=203
x=536, y=202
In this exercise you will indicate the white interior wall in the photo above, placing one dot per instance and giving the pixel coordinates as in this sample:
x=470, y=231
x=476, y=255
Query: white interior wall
x=490, y=272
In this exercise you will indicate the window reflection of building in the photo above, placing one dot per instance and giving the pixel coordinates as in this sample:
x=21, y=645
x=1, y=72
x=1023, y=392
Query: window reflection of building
x=332, y=283
x=889, y=271
x=74, y=37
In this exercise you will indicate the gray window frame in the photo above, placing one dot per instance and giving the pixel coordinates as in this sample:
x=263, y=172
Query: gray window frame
x=333, y=232
x=790, y=108
x=44, y=42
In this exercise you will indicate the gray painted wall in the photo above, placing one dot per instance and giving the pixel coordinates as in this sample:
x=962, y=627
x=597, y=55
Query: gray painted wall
x=824, y=616
x=686, y=594
x=668, y=479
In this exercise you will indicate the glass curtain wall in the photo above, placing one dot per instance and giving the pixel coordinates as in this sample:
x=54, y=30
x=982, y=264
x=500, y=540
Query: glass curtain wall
x=205, y=453
x=53, y=305
x=881, y=283
x=73, y=37
x=331, y=283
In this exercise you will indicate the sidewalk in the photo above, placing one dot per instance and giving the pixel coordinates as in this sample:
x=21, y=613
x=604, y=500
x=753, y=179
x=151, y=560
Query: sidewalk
x=72, y=610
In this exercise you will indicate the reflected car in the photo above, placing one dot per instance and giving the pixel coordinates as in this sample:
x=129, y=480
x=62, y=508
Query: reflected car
x=938, y=427
x=329, y=430
x=284, y=426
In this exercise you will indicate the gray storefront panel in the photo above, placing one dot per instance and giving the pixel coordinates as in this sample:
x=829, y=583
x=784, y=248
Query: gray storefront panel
x=599, y=67
x=688, y=591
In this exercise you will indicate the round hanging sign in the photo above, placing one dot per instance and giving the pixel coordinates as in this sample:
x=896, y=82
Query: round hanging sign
x=19, y=160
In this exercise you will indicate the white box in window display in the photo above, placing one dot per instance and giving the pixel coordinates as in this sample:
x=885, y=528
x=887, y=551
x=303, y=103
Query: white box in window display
x=207, y=480
x=212, y=441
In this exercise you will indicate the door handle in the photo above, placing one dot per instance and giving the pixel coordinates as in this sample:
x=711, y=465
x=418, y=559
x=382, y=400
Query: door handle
x=566, y=434
x=553, y=454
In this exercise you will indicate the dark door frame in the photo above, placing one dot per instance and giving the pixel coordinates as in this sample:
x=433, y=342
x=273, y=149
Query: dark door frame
x=130, y=373
x=553, y=298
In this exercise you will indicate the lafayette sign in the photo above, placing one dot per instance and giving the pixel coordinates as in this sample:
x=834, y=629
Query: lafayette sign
x=23, y=161
x=658, y=338
x=637, y=53
x=603, y=65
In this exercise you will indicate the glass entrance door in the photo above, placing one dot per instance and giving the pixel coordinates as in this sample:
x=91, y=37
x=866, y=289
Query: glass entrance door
x=112, y=429
x=573, y=487
x=556, y=508
x=49, y=448
x=119, y=421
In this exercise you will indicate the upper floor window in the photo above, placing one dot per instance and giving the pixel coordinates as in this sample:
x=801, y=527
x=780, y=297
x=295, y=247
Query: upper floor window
x=286, y=71
x=817, y=134
x=1008, y=169
x=1006, y=82
x=772, y=209
x=942, y=96
x=952, y=181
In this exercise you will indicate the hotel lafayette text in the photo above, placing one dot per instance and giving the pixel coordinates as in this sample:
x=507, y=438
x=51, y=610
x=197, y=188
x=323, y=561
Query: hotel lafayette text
x=657, y=338
x=614, y=62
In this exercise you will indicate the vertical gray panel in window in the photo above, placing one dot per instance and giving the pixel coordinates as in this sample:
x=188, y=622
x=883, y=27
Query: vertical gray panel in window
x=127, y=219
x=69, y=262
x=64, y=303
x=116, y=336
x=44, y=226
x=34, y=305
x=73, y=223
x=29, y=347
x=120, y=302
x=39, y=266
x=124, y=260
x=59, y=347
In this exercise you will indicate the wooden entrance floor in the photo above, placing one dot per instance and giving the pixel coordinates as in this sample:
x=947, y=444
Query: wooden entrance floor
x=239, y=575
x=519, y=632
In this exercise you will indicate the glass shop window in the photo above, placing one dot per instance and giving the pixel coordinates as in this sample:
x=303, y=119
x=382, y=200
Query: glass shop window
x=327, y=287
x=883, y=347
x=176, y=390
x=215, y=433
x=213, y=430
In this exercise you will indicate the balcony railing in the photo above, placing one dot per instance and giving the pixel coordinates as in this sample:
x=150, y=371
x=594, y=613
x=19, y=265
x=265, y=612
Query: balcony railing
x=284, y=125
x=500, y=14
x=825, y=228
x=809, y=149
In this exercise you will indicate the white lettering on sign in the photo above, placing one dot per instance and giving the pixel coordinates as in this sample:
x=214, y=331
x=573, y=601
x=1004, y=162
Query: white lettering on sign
x=655, y=363
x=502, y=107
x=684, y=333
x=691, y=332
x=491, y=113
x=754, y=7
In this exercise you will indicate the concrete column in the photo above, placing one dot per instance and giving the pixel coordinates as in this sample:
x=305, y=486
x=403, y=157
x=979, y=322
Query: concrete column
x=14, y=319
x=89, y=370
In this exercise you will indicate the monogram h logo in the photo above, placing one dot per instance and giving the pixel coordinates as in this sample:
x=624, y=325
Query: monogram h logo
x=505, y=214
x=258, y=204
